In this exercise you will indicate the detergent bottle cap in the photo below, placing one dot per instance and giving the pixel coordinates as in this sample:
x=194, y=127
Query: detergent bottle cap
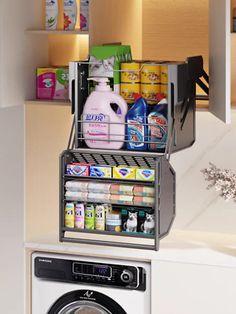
x=137, y=96
x=103, y=84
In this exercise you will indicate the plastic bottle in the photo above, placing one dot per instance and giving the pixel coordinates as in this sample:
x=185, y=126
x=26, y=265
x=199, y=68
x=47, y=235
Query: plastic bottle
x=157, y=132
x=51, y=7
x=137, y=130
x=102, y=126
x=70, y=14
x=79, y=216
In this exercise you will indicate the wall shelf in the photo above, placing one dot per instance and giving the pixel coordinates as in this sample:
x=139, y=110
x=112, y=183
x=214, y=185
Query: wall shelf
x=55, y=32
x=48, y=102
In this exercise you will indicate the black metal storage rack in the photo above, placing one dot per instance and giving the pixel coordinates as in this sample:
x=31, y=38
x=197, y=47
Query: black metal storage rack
x=181, y=134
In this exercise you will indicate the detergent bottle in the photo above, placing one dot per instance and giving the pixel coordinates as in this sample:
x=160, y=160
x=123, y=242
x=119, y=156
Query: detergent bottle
x=102, y=126
x=137, y=129
x=158, y=126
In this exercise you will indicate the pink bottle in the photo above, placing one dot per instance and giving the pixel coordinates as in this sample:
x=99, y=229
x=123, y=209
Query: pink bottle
x=79, y=216
x=102, y=126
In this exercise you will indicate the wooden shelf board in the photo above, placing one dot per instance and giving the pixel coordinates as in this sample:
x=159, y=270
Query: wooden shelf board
x=48, y=102
x=55, y=32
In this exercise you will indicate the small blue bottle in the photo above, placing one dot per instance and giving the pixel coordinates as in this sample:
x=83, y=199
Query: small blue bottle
x=137, y=129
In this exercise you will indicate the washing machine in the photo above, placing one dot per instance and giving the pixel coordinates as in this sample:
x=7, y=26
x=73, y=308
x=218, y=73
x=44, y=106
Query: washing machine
x=68, y=284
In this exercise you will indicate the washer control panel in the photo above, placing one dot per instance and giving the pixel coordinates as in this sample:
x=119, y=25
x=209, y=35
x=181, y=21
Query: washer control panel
x=114, y=275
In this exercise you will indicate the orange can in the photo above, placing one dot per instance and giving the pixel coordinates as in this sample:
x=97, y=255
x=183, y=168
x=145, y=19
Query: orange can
x=149, y=92
x=164, y=89
x=130, y=72
x=127, y=91
x=164, y=74
x=151, y=73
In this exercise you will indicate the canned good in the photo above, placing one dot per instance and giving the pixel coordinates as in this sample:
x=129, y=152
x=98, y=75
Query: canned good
x=130, y=72
x=113, y=222
x=79, y=216
x=127, y=91
x=164, y=89
x=151, y=73
x=149, y=92
x=89, y=220
x=164, y=74
x=69, y=215
x=100, y=217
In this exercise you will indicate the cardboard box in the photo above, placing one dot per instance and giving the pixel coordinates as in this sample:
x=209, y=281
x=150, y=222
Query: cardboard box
x=53, y=83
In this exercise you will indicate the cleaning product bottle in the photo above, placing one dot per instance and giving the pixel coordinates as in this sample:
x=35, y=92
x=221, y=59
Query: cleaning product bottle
x=157, y=127
x=137, y=130
x=70, y=14
x=51, y=7
x=102, y=126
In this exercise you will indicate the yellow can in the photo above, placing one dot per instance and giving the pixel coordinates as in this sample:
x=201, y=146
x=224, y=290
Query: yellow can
x=128, y=89
x=150, y=73
x=149, y=92
x=164, y=89
x=164, y=74
x=130, y=72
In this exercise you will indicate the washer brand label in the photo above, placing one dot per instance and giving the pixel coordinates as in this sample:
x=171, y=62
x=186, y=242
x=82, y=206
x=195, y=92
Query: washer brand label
x=43, y=260
x=88, y=294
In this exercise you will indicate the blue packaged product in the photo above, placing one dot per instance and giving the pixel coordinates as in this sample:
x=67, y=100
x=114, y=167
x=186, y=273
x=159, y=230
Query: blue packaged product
x=101, y=171
x=137, y=130
x=157, y=127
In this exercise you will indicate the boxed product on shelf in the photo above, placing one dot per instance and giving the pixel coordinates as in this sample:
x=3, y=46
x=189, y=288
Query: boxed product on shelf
x=105, y=62
x=145, y=174
x=78, y=169
x=101, y=171
x=124, y=172
x=53, y=83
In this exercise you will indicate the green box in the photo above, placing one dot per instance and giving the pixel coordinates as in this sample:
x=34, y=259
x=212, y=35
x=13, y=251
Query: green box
x=105, y=60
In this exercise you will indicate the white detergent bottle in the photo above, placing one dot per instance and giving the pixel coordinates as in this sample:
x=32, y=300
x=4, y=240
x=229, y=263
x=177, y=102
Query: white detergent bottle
x=51, y=7
x=70, y=14
x=102, y=126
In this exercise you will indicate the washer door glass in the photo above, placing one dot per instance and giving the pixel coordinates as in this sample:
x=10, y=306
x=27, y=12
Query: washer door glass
x=83, y=307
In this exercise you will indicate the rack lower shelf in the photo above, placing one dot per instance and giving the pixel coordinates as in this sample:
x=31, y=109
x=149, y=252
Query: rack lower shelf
x=123, y=234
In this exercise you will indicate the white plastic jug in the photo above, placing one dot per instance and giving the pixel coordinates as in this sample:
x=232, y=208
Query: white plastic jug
x=102, y=126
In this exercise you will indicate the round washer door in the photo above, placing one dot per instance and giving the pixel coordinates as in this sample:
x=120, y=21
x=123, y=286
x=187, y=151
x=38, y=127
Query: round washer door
x=85, y=302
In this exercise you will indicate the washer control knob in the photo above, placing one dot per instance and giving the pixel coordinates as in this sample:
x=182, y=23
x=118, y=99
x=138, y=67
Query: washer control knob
x=127, y=276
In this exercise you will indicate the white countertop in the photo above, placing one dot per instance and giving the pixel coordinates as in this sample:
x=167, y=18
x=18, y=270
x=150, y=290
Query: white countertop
x=180, y=246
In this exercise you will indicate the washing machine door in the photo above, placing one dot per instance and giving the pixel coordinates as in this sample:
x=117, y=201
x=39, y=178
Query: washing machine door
x=85, y=302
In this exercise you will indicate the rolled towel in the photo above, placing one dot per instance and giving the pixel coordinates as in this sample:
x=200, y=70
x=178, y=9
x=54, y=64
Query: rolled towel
x=76, y=196
x=140, y=190
x=122, y=199
x=75, y=186
x=99, y=197
x=122, y=189
x=144, y=201
x=99, y=187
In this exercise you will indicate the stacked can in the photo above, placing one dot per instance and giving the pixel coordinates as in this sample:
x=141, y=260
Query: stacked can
x=150, y=81
x=164, y=80
x=130, y=80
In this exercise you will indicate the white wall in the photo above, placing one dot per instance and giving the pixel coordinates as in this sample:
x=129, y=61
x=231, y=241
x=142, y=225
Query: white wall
x=11, y=210
x=200, y=209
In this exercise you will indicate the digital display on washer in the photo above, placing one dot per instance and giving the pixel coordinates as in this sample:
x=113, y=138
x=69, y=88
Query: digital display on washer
x=92, y=270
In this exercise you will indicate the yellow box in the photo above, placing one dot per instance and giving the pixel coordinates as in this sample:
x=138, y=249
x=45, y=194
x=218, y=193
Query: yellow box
x=124, y=172
x=145, y=174
x=164, y=74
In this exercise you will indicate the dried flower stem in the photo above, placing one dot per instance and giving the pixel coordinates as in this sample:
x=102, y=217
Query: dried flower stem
x=224, y=181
